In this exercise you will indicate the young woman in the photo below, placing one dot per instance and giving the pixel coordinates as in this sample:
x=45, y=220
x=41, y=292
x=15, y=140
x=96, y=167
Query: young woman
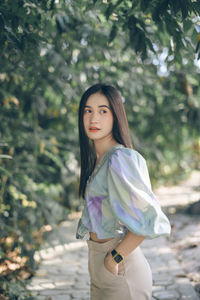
x=120, y=209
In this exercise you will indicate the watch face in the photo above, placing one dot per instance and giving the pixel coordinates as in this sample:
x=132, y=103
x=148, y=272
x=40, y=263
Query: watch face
x=118, y=258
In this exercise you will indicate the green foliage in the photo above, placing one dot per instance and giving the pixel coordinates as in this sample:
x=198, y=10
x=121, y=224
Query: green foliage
x=16, y=290
x=146, y=22
x=51, y=51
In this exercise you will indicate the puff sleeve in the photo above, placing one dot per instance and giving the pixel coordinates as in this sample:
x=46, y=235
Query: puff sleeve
x=131, y=196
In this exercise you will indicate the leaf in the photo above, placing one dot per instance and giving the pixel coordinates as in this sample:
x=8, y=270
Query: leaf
x=160, y=9
x=61, y=24
x=187, y=24
x=113, y=33
x=52, y=4
x=2, y=23
x=132, y=23
x=149, y=43
x=5, y=156
x=111, y=8
x=184, y=9
x=109, y=11
x=144, y=4
x=197, y=47
x=176, y=6
x=196, y=7
x=5, y=171
x=55, y=158
x=140, y=42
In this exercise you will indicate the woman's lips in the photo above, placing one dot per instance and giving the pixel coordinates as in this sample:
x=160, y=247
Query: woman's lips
x=94, y=129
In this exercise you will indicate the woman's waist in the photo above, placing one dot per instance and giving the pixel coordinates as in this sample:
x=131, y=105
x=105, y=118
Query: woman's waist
x=94, y=238
x=102, y=245
x=107, y=245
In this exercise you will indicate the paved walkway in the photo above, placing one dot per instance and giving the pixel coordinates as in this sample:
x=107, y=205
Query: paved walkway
x=63, y=273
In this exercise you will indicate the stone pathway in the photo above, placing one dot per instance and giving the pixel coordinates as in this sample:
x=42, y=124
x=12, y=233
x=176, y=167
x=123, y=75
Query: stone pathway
x=185, y=244
x=63, y=273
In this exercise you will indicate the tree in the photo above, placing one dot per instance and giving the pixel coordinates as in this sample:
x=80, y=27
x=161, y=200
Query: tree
x=50, y=52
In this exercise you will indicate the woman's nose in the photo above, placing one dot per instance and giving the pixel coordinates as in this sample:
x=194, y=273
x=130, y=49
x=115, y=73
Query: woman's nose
x=94, y=117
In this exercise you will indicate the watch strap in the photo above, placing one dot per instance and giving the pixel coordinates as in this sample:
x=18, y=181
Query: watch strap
x=116, y=256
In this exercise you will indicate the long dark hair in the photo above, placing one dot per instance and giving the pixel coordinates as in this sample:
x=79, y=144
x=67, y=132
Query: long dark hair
x=120, y=130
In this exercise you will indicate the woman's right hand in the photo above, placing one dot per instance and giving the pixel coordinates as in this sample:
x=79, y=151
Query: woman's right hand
x=110, y=264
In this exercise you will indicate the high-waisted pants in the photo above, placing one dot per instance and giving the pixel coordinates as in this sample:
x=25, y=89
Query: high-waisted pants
x=133, y=282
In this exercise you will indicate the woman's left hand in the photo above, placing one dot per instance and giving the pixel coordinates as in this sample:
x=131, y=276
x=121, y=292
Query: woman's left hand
x=110, y=264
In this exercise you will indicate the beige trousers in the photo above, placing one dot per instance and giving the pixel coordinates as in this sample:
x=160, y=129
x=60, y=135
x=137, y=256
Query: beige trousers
x=134, y=281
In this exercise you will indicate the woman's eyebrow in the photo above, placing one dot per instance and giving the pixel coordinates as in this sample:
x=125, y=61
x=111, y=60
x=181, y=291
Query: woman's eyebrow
x=98, y=106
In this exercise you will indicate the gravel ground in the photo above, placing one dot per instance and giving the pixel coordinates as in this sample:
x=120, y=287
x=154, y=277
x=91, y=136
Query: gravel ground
x=182, y=204
x=185, y=243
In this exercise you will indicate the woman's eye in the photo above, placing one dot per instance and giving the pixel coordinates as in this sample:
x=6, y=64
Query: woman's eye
x=87, y=110
x=103, y=111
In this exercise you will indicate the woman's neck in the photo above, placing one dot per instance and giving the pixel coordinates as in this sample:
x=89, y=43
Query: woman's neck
x=102, y=148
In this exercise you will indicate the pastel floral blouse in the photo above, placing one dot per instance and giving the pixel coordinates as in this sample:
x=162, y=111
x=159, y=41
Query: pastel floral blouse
x=119, y=197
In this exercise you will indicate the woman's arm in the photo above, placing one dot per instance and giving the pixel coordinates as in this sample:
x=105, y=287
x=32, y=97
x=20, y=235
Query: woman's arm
x=130, y=242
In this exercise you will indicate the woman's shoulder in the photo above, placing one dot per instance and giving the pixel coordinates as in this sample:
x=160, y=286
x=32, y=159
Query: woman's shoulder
x=128, y=154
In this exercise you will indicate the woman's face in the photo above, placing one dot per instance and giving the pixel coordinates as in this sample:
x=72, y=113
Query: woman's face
x=98, y=117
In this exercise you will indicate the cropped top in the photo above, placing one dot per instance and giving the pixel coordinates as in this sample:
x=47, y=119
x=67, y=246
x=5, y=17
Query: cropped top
x=119, y=198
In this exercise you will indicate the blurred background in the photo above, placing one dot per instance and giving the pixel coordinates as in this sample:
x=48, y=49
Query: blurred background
x=50, y=52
